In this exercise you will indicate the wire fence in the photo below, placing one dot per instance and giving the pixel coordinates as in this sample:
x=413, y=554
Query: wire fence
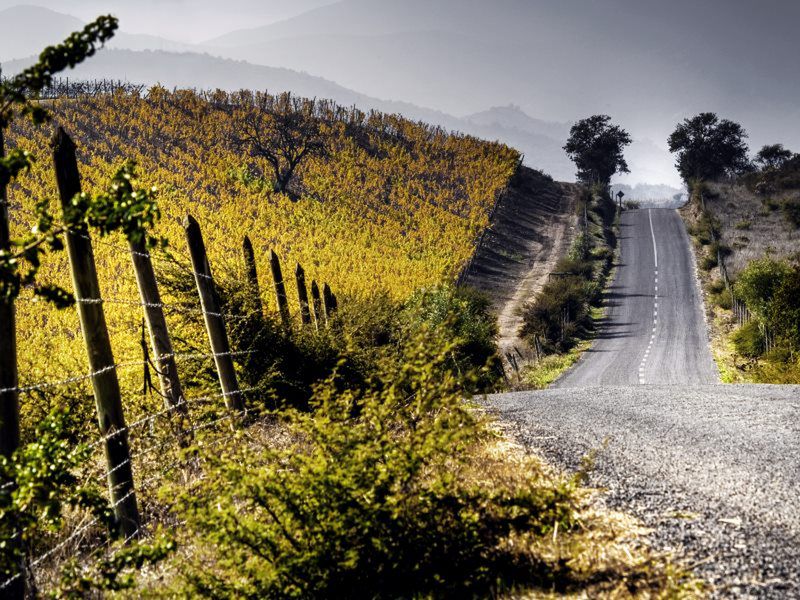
x=741, y=312
x=135, y=448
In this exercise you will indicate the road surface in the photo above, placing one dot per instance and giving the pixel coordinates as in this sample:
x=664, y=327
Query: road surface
x=654, y=331
x=714, y=470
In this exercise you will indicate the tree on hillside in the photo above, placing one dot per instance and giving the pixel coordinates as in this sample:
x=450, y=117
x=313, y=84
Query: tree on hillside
x=708, y=147
x=773, y=156
x=596, y=147
x=282, y=130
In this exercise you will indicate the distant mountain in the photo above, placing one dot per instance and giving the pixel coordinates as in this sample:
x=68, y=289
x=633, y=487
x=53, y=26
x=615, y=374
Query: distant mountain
x=201, y=71
x=27, y=30
x=647, y=63
x=513, y=117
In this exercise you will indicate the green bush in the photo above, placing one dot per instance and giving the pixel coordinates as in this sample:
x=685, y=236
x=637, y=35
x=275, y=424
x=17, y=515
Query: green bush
x=791, y=212
x=723, y=300
x=709, y=261
x=559, y=314
x=717, y=286
x=749, y=340
x=465, y=313
x=45, y=489
x=370, y=497
x=743, y=225
x=758, y=282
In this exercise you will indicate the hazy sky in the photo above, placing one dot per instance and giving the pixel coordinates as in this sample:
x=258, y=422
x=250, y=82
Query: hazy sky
x=647, y=63
x=181, y=20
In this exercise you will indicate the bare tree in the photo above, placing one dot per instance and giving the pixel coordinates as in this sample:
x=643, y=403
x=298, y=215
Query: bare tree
x=283, y=130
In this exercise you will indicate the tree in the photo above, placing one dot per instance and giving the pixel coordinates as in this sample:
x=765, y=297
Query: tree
x=283, y=130
x=709, y=148
x=596, y=147
x=773, y=157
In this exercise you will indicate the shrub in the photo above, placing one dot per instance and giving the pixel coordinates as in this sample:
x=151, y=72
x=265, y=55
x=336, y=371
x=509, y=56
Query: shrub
x=723, y=300
x=791, y=212
x=371, y=498
x=559, y=314
x=743, y=225
x=758, y=282
x=717, y=286
x=749, y=340
x=709, y=261
x=466, y=314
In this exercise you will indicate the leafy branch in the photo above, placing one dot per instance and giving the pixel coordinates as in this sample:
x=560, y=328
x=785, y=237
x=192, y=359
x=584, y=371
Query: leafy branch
x=120, y=208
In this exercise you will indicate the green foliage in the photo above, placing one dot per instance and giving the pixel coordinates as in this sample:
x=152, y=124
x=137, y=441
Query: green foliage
x=708, y=148
x=709, y=261
x=758, y=283
x=114, y=573
x=370, y=499
x=784, y=311
x=773, y=157
x=121, y=209
x=723, y=299
x=466, y=313
x=44, y=487
x=749, y=340
x=785, y=176
x=791, y=211
x=597, y=149
x=561, y=314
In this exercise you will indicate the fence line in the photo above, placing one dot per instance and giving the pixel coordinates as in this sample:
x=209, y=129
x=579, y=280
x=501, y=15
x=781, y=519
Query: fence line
x=119, y=470
x=740, y=310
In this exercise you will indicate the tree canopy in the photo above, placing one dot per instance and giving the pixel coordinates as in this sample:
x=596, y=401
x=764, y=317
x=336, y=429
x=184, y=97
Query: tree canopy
x=773, y=156
x=596, y=146
x=708, y=147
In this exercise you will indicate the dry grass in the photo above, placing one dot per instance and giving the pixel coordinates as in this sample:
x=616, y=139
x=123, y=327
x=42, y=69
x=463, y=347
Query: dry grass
x=751, y=226
x=607, y=555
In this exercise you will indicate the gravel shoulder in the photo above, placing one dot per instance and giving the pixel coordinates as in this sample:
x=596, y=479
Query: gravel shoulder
x=714, y=470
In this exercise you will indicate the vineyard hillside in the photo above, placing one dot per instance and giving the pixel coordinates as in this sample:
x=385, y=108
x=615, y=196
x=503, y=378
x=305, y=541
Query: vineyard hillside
x=392, y=206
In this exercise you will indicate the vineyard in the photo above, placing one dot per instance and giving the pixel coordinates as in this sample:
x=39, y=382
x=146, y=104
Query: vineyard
x=389, y=208
x=393, y=207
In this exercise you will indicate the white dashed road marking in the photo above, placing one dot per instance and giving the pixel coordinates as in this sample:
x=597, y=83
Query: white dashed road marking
x=655, y=302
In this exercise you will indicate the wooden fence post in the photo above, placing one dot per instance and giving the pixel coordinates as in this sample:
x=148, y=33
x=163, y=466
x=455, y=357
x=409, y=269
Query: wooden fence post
x=252, y=274
x=329, y=302
x=160, y=342
x=280, y=288
x=212, y=314
x=9, y=378
x=98, y=345
x=316, y=299
x=302, y=295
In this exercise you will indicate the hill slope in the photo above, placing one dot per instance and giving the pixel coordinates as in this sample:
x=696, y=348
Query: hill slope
x=532, y=228
x=393, y=207
x=25, y=30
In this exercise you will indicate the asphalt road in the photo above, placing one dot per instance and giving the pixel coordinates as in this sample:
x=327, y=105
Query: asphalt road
x=654, y=331
x=714, y=470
